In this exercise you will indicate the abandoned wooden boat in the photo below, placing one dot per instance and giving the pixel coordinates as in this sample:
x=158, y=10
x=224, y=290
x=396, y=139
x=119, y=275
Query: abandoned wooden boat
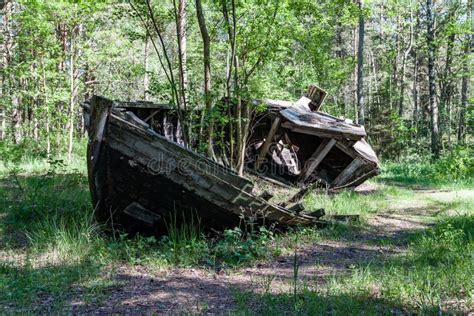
x=298, y=144
x=141, y=177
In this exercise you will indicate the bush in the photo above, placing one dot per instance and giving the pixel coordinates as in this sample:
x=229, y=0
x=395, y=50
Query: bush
x=455, y=166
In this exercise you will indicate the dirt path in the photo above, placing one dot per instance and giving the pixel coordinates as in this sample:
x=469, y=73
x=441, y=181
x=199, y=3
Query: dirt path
x=143, y=290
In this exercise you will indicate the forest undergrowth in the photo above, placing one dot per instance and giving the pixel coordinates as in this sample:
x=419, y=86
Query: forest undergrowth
x=51, y=246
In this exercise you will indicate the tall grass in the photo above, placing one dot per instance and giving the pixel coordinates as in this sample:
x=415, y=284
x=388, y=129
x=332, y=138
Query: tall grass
x=186, y=240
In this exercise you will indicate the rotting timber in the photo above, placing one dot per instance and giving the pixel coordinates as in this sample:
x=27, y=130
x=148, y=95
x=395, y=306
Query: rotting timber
x=300, y=145
x=142, y=177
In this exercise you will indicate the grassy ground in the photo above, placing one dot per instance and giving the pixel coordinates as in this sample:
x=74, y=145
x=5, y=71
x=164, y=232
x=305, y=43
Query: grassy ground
x=53, y=255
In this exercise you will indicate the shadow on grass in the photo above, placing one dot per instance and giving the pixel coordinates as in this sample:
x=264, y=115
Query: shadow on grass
x=41, y=289
x=29, y=203
x=44, y=219
x=311, y=303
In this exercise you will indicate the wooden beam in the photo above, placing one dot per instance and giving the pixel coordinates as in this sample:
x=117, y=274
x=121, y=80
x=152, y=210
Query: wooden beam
x=266, y=145
x=143, y=105
x=347, y=148
x=318, y=156
x=149, y=117
x=297, y=129
x=347, y=172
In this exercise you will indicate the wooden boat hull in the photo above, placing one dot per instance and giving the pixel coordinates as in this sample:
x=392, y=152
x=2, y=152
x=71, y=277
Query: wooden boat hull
x=140, y=180
x=303, y=147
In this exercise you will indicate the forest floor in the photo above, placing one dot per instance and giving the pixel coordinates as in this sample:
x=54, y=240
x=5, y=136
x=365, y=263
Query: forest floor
x=411, y=251
x=386, y=234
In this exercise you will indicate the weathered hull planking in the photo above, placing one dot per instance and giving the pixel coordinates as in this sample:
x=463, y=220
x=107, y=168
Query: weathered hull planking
x=141, y=180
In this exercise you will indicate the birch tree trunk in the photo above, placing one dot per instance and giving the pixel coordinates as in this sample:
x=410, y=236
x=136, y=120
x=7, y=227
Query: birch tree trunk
x=360, y=67
x=402, y=75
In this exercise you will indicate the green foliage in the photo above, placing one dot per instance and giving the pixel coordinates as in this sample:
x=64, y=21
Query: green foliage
x=456, y=167
x=450, y=242
x=237, y=248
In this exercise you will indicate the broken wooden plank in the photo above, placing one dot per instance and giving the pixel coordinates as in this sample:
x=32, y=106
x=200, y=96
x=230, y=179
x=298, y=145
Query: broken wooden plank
x=318, y=156
x=358, y=181
x=296, y=208
x=317, y=96
x=266, y=145
x=345, y=175
x=317, y=213
x=346, y=147
x=302, y=117
x=141, y=214
x=149, y=117
x=301, y=193
x=277, y=103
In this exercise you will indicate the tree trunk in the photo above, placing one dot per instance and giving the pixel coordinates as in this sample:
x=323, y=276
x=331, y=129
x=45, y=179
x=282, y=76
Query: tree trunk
x=46, y=105
x=237, y=94
x=416, y=79
x=414, y=123
x=4, y=80
x=72, y=99
x=446, y=89
x=402, y=75
x=360, y=67
x=432, y=78
x=146, y=78
x=230, y=33
x=354, y=77
x=9, y=33
x=182, y=51
x=395, y=65
x=207, y=76
x=234, y=118
x=16, y=119
x=465, y=80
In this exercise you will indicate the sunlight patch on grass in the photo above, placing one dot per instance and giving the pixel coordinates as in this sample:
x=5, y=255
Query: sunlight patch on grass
x=352, y=202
